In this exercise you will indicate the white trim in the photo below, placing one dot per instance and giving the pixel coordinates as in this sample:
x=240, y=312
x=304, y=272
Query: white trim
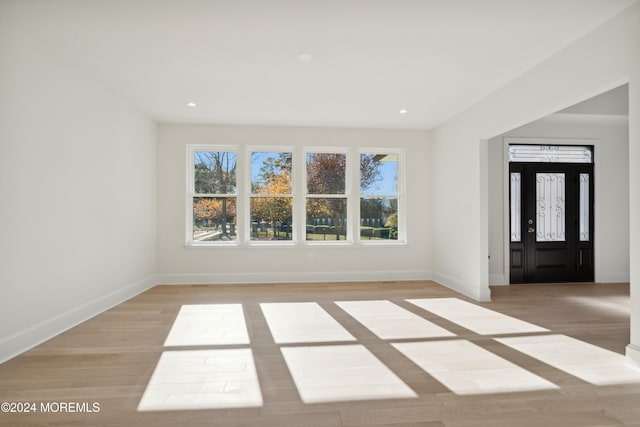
x=244, y=227
x=298, y=183
x=298, y=245
x=482, y=294
x=633, y=356
x=401, y=196
x=548, y=141
x=550, y=153
x=190, y=193
x=298, y=193
x=32, y=336
x=506, y=213
x=498, y=280
x=348, y=182
x=291, y=277
x=613, y=277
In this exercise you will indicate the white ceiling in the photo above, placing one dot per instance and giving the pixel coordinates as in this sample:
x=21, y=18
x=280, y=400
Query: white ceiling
x=239, y=59
x=613, y=102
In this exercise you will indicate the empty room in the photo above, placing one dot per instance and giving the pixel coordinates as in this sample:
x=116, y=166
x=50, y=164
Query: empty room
x=320, y=213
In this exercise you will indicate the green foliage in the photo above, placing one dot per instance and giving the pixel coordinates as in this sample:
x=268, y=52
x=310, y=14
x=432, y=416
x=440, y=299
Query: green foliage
x=378, y=233
x=392, y=221
x=215, y=173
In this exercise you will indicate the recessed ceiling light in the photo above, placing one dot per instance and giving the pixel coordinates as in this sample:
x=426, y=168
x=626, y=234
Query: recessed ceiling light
x=404, y=111
x=305, y=57
x=191, y=104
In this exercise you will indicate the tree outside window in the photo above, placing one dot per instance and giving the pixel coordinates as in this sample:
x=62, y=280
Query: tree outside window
x=271, y=196
x=214, y=198
x=379, y=196
x=326, y=201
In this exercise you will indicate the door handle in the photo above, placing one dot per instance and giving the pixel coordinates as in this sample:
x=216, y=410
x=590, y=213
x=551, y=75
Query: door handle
x=531, y=230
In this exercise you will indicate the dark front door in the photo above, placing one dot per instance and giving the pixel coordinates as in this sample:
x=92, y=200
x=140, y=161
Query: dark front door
x=551, y=214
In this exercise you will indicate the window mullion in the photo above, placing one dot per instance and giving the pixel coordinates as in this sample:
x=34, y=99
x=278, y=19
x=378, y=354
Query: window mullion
x=334, y=206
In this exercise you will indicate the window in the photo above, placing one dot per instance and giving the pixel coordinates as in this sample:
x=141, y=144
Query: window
x=379, y=196
x=271, y=207
x=551, y=153
x=213, y=196
x=326, y=196
x=515, y=206
x=274, y=195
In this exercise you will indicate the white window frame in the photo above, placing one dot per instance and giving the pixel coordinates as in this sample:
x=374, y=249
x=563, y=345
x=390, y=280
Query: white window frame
x=298, y=193
x=247, y=195
x=402, y=211
x=347, y=196
x=191, y=193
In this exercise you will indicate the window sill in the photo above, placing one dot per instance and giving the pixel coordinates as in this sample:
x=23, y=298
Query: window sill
x=291, y=244
x=382, y=243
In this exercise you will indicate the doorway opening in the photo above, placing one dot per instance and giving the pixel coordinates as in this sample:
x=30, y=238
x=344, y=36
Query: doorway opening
x=600, y=122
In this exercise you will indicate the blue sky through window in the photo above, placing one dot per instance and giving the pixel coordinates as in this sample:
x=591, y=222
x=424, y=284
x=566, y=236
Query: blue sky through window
x=387, y=184
x=264, y=158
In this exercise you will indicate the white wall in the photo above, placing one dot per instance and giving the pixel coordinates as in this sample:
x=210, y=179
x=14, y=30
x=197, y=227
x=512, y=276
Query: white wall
x=180, y=264
x=454, y=176
x=603, y=59
x=77, y=190
x=611, y=191
x=633, y=350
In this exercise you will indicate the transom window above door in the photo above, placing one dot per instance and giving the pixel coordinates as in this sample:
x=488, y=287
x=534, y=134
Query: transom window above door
x=551, y=153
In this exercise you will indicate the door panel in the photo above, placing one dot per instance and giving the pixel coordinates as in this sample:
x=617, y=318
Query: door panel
x=517, y=258
x=551, y=220
x=547, y=258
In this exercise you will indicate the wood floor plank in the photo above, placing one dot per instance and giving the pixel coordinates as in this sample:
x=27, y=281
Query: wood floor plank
x=111, y=358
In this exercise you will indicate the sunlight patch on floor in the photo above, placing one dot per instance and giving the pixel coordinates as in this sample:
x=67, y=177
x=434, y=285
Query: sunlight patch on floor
x=210, y=324
x=465, y=368
x=210, y=378
x=588, y=362
x=620, y=305
x=342, y=373
x=302, y=322
x=475, y=318
x=390, y=321
x=203, y=379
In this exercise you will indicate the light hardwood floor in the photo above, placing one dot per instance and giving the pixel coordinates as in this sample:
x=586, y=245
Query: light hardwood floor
x=111, y=360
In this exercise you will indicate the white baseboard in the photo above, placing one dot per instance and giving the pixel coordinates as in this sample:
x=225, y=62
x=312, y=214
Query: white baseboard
x=498, y=280
x=613, y=277
x=22, y=341
x=460, y=286
x=633, y=356
x=290, y=277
